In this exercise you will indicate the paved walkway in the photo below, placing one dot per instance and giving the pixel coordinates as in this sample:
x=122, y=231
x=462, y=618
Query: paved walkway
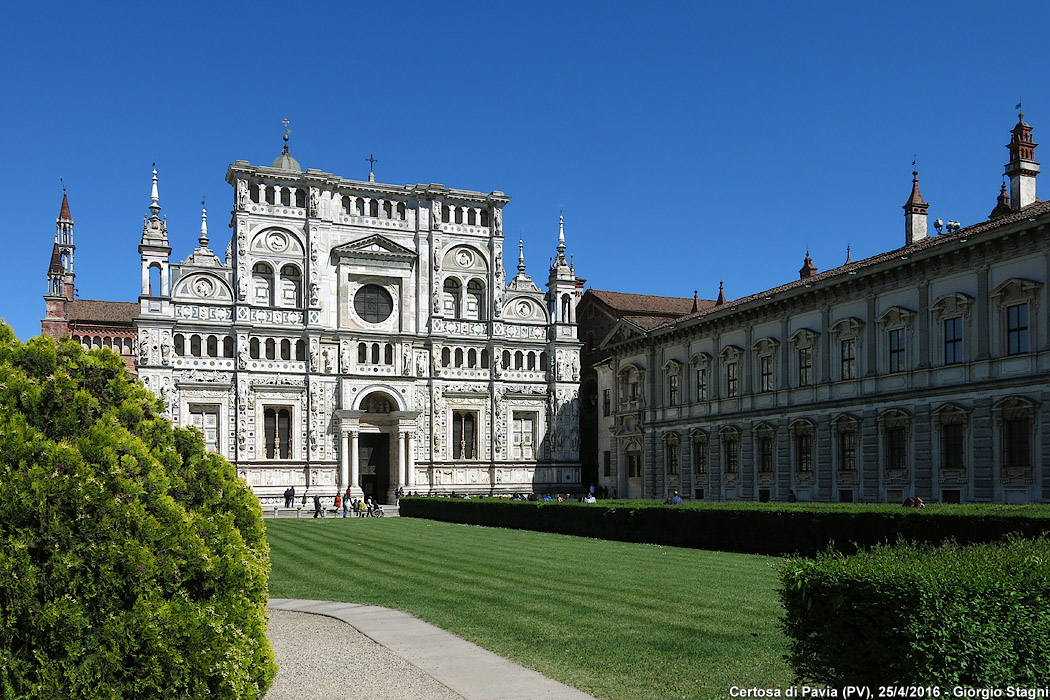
x=447, y=662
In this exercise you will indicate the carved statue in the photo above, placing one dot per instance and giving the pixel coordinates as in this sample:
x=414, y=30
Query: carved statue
x=314, y=199
x=315, y=292
x=406, y=362
x=344, y=359
x=242, y=194
x=497, y=215
x=327, y=362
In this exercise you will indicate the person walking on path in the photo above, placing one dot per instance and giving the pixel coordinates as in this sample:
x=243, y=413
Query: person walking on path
x=317, y=506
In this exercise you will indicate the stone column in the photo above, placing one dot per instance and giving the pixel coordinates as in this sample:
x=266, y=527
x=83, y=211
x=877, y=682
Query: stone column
x=402, y=454
x=410, y=462
x=355, y=467
x=344, y=461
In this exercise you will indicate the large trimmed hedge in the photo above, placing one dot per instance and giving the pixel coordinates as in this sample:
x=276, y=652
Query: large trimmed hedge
x=133, y=563
x=758, y=528
x=921, y=616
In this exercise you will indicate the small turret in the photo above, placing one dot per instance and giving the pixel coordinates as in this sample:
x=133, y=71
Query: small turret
x=154, y=249
x=808, y=268
x=1022, y=168
x=915, y=213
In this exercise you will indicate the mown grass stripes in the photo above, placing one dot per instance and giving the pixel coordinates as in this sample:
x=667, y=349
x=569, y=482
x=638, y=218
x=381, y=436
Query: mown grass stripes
x=616, y=619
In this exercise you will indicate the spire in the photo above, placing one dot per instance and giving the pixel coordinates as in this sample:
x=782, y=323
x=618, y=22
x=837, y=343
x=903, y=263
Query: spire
x=721, y=295
x=154, y=196
x=1022, y=168
x=848, y=258
x=63, y=214
x=285, y=160
x=696, y=301
x=915, y=213
x=203, y=240
x=1002, y=206
x=521, y=257
x=372, y=160
x=808, y=268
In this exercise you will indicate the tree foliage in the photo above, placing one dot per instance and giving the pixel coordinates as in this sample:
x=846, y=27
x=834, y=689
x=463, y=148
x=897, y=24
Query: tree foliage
x=133, y=563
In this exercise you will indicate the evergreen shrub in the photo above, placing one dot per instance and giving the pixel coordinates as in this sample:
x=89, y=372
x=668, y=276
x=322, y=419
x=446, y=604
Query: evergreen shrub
x=747, y=527
x=920, y=616
x=133, y=563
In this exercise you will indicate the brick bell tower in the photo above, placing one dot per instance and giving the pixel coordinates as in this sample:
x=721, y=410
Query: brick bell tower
x=60, y=276
x=1022, y=168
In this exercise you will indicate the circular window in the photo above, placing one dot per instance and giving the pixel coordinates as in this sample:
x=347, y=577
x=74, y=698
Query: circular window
x=373, y=303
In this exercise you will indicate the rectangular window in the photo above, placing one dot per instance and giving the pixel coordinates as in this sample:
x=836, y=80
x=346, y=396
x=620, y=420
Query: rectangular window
x=731, y=379
x=607, y=463
x=732, y=456
x=672, y=389
x=849, y=358
x=804, y=452
x=1016, y=329
x=634, y=465
x=766, y=362
x=701, y=384
x=953, y=341
x=765, y=454
x=464, y=435
x=896, y=340
x=206, y=420
x=805, y=366
x=896, y=448
x=277, y=435
x=700, y=457
x=672, y=459
x=606, y=402
x=524, y=436
x=952, y=446
x=848, y=450
x=632, y=391
x=1016, y=452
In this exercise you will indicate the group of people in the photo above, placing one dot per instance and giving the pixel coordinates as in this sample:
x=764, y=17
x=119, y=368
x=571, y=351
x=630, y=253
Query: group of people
x=915, y=502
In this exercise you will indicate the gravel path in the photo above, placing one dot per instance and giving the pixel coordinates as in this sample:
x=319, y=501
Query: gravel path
x=320, y=657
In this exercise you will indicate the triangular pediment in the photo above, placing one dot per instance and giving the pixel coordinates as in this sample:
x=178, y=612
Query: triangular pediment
x=623, y=331
x=375, y=247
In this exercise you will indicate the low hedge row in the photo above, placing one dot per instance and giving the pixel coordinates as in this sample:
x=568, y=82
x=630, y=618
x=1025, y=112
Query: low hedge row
x=756, y=528
x=921, y=616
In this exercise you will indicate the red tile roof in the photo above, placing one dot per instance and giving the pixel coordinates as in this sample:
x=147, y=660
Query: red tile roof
x=648, y=304
x=88, y=310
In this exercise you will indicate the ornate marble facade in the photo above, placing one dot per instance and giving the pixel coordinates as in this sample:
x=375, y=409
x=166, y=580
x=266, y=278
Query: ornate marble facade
x=365, y=335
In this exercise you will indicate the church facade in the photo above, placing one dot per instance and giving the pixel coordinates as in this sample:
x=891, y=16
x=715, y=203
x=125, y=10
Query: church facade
x=923, y=371
x=363, y=335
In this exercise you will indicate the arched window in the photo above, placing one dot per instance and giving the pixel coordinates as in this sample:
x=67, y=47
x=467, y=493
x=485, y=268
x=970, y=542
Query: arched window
x=446, y=213
x=446, y=357
x=286, y=349
x=180, y=344
x=519, y=359
x=359, y=205
x=506, y=359
x=271, y=196
x=373, y=208
x=388, y=210
x=286, y=196
x=345, y=204
x=459, y=215
x=300, y=199
x=362, y=353
x=451, y=298
x=472, y=358
x=213, y=346
x=155, y=288
x=262, y=283
x=253, y=348
x=475, y=300
x=401, y=211
x=532, y=361
x=291, y=286
x=472, y=217
x=195, y=345
x=484, y=217
x=388, y=354
x=459, y=357
x=300, y=351
x=277, y=427
x=271, y=349
x=375, y=353
x=227, y=347
x=566, y=309
x=463, y=435
x=543, y=361
x=485, y=359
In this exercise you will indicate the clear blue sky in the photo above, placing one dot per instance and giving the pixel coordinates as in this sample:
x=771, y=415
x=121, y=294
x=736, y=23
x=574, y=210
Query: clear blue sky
x=688, y=142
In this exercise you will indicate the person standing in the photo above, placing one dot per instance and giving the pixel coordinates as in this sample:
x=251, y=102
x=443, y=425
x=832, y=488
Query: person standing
x=317, y=506
x=676, y=499
x=291, y=497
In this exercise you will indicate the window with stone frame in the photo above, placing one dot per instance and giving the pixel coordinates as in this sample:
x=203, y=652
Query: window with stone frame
x=1015, y=417
x=630, y=379
x=765, y=351
x=951, y=423
x=606, y=402
x=464, y=435
x=206, y=419
x=895, y=426
x=951, y=315
x=765, y=443
x=847, y=333
x=673, y=377
x=804, y=342
x=846, y=429
x=634, y=462
x=671, y=453
x=700, y=363
x=277, y=432
x=523, y=435
x=698, y=440
x=803, y=434
x=896, y=323
x=1016, y=304
x=731, y=358
x=731, y=449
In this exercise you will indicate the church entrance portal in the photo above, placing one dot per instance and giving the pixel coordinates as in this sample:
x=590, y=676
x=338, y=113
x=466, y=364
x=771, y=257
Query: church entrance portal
x=374, y=458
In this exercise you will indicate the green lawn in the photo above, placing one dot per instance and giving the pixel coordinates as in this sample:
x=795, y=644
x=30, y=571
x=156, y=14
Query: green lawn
x=614, y=619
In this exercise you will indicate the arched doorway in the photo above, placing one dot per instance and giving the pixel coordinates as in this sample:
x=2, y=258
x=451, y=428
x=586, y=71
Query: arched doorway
x=376, y=454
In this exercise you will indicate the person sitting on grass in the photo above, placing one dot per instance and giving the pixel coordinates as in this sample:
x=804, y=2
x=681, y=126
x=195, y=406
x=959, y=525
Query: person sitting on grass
x=589, y=498
x=676, y=500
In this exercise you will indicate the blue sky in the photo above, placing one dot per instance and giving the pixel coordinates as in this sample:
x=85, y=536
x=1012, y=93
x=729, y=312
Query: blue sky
x=688, y=143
